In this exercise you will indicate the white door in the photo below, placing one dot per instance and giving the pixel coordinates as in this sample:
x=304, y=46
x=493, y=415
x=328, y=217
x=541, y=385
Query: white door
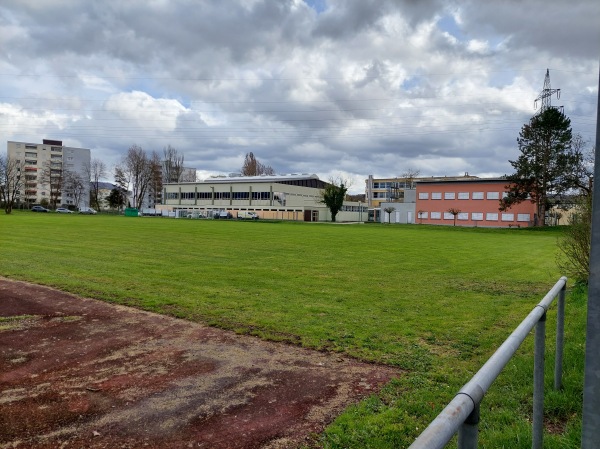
x=410, y=217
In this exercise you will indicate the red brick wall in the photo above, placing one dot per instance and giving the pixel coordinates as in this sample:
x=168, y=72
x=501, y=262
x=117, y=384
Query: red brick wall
x=478, y=202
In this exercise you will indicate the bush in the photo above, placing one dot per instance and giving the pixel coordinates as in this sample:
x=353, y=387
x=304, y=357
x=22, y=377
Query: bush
x=574, y=245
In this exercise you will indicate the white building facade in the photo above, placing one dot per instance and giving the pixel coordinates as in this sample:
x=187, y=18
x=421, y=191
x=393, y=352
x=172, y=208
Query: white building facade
x=47, y=163
x=279, y=197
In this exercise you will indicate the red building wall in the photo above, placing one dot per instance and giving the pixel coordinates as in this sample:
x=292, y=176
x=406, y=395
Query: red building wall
x=478, y=201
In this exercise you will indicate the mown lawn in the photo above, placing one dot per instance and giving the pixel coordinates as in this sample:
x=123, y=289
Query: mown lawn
x=434, y=301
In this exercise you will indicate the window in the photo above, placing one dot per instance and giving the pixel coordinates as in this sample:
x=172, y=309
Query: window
x=261, y=195
x=449, y=195
x=187, y=195
x=491, y=216
x=463, y=195
x=59, y=149
x=508, y=217
x=493, y=196
x=477, y=216
x=241, y=195
x=204, y=195
x=423, y=215
x=523, y=217
x=477, y=195
x=436, y=215
x=423, y=195
x=448, y=216
x=30, y=154
x=436, y=195
x=463, y=216
x=172, y=195
x=31, y=147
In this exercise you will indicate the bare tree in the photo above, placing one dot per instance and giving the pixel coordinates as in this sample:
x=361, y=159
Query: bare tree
x=454, y=212
x=409, y=175
x=389, y=210
x=136, y=169
x=252, y=167
x=11, y=182
x=172, y=165
x=74, y=186
x=52, y=176
x=156, y=178
x=95, y=171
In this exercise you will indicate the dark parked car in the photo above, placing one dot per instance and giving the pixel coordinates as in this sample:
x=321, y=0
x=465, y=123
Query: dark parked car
x=39, y=209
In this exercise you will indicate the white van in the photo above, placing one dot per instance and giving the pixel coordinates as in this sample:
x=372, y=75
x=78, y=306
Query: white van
x=247, y=215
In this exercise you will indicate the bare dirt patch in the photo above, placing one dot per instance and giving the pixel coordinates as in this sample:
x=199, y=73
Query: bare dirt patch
x=77, y=372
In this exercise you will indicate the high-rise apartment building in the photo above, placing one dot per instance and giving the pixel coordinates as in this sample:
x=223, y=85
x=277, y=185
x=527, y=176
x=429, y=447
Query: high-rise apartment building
x=53, y=173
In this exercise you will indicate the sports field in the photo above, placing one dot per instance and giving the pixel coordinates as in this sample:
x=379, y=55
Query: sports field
x=434, y=301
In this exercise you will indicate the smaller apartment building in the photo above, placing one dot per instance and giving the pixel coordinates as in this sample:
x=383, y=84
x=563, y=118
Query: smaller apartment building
x=478, y=201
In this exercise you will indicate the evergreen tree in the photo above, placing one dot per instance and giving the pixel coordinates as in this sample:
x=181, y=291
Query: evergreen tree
x=545, y=167
x=333, y=196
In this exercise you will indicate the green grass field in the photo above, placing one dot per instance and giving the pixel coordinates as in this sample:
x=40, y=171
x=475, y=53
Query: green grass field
x=434, y=301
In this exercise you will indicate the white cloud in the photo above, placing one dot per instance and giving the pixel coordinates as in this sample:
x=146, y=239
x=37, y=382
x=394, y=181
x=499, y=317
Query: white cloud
x=356, y=88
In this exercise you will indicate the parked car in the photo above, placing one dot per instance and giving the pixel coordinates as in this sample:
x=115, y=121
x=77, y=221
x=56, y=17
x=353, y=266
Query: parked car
x=87, y=210
x=222, y=215
x=39, y=209
x=247, y=215
x=63, y=210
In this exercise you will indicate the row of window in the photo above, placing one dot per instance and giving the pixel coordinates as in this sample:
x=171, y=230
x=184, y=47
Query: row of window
x=241, y=196
x=475, y=216
x=461, y=195
x=391, y=185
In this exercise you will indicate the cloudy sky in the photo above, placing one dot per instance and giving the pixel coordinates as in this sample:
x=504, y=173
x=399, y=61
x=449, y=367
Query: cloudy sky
x=333, y=87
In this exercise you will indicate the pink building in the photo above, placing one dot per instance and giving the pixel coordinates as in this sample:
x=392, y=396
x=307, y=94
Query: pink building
x=478, y=201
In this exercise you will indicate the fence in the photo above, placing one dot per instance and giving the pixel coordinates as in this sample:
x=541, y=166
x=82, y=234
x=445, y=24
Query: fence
x=462, y=413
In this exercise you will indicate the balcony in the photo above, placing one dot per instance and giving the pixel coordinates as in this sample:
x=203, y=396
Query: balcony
x=30, y=168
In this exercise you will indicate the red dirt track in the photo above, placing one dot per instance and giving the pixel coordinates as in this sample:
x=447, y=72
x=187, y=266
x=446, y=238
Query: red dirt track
x=77, y=372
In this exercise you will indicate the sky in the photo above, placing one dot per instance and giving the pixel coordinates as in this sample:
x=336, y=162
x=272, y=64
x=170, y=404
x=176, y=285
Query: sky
x=339, y=88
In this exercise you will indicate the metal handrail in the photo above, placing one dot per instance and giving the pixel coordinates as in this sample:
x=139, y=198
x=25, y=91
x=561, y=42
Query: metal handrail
x=462, y=413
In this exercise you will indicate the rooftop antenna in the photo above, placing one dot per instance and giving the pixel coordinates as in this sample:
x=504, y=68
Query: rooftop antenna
x=546, y=94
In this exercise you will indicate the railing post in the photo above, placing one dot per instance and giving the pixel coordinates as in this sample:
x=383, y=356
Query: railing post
x=538, y=383
x=560, y=338
x=469, y=431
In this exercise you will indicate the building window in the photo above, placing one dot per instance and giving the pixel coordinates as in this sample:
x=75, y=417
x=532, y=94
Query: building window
x=423, y=215
x=508, y=217
x=463, y=216
x=523, y=217
x=241, y=195
x=172, y=195
x=477, y=195
x=463, y=195
x=436, y=215
x=187, y=195
x=448, y=216
x=204, y=195
x=30, y=154
x=449, y=195
x=423, y=195
x=493, y=196
x=491, y=216
x=436, y=195
x=477, y=216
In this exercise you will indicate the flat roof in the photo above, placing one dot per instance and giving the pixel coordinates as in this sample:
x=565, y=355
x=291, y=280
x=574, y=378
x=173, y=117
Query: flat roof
x=469, y=180
x=260, y=178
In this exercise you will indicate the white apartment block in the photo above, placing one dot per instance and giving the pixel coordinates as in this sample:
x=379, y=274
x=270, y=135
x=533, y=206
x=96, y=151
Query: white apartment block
x=46, y=163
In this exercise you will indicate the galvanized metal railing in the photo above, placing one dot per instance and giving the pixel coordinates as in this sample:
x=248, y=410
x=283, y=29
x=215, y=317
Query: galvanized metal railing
x=462, y=413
